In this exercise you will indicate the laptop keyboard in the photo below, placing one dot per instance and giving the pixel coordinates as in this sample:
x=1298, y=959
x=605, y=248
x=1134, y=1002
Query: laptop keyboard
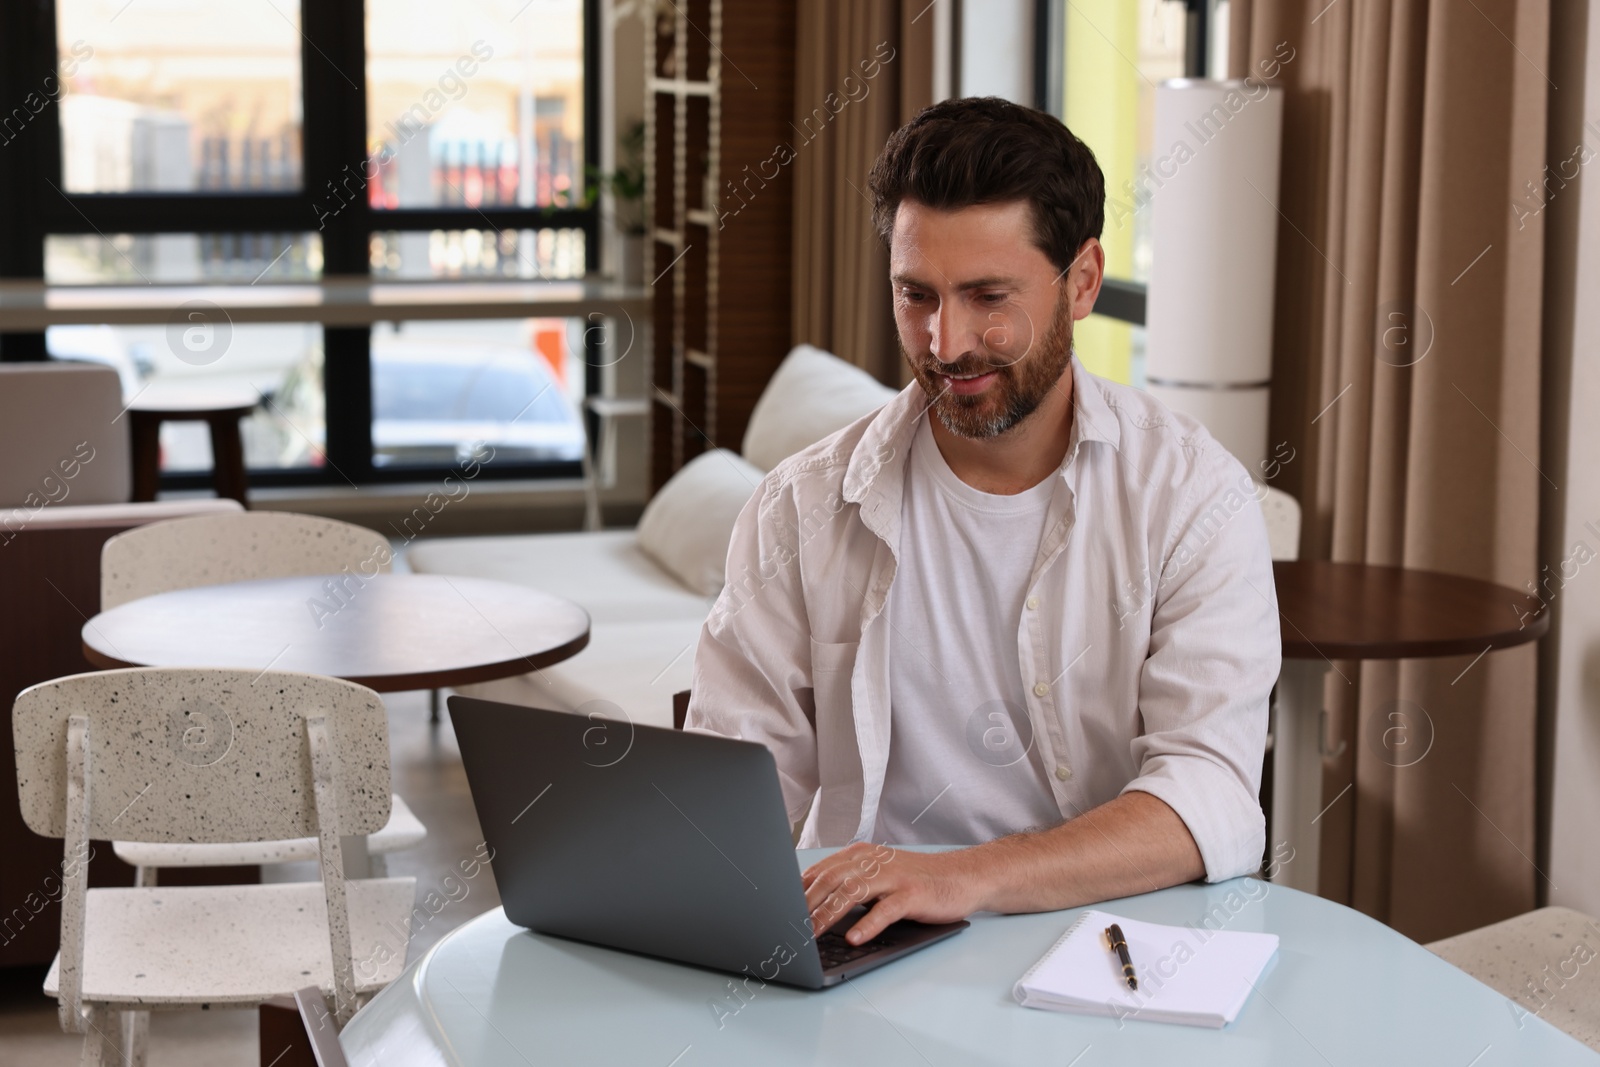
x=836, y=951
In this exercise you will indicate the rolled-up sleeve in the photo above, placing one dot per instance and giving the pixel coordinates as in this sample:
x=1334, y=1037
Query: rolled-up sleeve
x=1213, y=658
x=752, y=667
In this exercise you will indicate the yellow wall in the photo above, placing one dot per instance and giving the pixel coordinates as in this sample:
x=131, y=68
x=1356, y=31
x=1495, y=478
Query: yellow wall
x=1101, y=87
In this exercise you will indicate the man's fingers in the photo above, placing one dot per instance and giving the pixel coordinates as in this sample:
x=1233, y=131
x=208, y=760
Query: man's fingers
x=865, y=874
x=813, y=872
x=829, y=911
x=822, y=872
x=826, y=877
x=849, y=877
x=826, y=905
x=821, y=887
x=825, y=916
x=866, y=860
x=887, y=911
x=837, y=861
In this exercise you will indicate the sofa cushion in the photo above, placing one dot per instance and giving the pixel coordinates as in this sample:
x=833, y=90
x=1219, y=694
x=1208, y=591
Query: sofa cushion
x=604, y=571
x=812, y=394
x=687, y=525
x=632, y=666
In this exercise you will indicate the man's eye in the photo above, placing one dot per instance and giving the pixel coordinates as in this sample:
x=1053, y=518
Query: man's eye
x=911, y=297
x=993, y=299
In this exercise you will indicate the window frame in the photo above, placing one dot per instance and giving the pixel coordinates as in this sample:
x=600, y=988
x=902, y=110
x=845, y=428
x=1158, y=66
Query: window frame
x=1120, y=298
x=34, y=206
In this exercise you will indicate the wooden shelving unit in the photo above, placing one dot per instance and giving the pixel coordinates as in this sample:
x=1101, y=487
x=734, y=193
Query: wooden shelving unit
x=720, y=78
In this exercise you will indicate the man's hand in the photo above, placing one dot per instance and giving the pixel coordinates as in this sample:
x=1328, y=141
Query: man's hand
x=1132, y=844
x=932, y=887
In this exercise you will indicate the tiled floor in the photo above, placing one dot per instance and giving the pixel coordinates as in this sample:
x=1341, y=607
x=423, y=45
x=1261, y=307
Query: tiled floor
x=427, y=772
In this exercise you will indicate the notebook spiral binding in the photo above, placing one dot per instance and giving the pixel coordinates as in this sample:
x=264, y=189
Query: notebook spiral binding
x=1079, y=921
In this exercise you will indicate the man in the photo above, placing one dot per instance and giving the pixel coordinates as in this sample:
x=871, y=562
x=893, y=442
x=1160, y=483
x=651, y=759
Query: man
x=1019, y=608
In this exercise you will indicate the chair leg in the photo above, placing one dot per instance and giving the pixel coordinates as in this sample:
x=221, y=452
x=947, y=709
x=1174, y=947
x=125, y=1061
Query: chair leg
x=145, y=877
x=135, y=1036
x=100, y=1041
x=433, y=707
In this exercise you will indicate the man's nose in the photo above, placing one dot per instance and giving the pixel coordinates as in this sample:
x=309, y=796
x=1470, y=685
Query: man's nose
x=953, y=335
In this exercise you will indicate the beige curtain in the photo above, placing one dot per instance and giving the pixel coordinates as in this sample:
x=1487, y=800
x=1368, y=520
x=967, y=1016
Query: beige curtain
x=1410, y=130
x=844, y=112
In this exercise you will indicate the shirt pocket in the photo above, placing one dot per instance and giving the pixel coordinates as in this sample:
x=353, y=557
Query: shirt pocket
x=832, y=665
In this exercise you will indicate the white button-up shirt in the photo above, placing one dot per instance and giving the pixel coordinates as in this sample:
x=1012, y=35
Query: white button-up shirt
x=1151, y=608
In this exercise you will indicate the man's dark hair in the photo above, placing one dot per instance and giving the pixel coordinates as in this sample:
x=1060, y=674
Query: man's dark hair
x=985, y=150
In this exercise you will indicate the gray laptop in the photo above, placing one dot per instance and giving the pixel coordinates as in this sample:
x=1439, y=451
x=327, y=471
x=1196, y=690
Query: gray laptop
x=654, y=841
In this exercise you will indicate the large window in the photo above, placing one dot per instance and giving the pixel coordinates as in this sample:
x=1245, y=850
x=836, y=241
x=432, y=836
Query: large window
x=178, y=96
x=478, y=103
x=1101, y=63
x=257, y=141
x=443, y=392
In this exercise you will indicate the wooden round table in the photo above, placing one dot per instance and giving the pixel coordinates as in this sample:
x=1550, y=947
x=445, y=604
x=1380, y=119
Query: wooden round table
x=390, y=632
x=219, y=407
x=1330, y=611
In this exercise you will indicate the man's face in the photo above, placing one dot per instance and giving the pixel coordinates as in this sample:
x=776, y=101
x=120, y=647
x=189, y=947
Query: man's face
x=984, y=318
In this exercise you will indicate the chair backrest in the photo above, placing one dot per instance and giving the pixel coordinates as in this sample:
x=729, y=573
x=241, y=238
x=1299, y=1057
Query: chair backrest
x=1282, y=514
x=190, y=754
x=202, y=754
x=63, y=436
x=210, y=549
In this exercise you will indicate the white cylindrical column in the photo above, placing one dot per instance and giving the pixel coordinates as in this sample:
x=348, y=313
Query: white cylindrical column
x=1236, y=415
x=1213, y=188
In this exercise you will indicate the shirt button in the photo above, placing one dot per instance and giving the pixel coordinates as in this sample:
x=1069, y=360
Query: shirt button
x=1033, y=602
x=1041, y=690
x=1063, y=772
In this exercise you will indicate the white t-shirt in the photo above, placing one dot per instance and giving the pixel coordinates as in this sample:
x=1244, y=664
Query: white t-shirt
x=963, y=768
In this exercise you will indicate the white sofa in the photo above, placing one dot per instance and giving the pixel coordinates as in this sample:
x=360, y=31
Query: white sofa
x=648, y=590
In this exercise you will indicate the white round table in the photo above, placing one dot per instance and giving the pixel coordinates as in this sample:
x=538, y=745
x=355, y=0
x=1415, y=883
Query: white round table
x=1344, y=990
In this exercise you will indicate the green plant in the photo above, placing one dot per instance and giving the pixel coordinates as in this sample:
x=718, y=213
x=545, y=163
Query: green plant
x=625, y=184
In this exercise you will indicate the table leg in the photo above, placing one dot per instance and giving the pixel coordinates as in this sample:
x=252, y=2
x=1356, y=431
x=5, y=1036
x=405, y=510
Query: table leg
x=145, y=431
x=591, y=489
x=1297, y=773
x=227, y=459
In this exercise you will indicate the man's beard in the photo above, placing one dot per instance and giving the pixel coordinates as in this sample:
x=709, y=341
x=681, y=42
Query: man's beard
x=1017, y=391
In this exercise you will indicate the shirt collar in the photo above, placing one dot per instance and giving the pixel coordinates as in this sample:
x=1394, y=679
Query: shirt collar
x=1092, y=416
x=886, y=443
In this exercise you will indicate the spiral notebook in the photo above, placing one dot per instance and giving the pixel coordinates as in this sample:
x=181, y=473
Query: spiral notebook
x=1195, y=976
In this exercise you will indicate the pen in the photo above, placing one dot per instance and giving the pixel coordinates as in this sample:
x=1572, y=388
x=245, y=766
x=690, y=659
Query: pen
x=1119, y=944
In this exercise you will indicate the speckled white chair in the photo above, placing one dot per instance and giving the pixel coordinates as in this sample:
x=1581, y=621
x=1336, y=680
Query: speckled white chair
x=159, y=557
x=237, y=547
x=208, y=755
x=1281, y=512
x=1541, y=962
x=1282, y=515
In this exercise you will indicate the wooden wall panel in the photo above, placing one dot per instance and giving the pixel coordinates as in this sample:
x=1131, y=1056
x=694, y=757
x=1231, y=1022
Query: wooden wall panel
x=721, y=196
x=49, y=586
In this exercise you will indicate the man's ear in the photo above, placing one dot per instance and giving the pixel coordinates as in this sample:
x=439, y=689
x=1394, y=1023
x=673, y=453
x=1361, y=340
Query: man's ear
x=1084, y=277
